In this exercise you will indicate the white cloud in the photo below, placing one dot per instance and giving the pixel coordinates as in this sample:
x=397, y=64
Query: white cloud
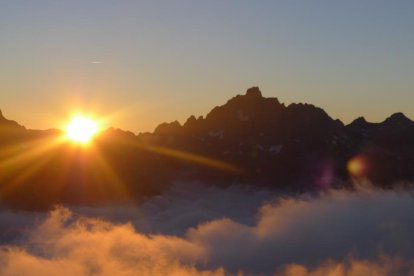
x=338, y=233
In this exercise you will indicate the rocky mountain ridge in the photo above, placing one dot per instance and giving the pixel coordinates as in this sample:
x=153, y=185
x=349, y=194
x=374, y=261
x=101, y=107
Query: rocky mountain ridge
x=250, y=139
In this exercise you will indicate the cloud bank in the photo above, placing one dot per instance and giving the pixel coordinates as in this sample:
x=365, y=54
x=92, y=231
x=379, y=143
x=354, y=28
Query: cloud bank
x=368, y=232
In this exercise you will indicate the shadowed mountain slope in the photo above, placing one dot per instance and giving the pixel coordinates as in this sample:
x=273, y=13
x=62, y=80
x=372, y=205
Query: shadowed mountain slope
x=250, y=139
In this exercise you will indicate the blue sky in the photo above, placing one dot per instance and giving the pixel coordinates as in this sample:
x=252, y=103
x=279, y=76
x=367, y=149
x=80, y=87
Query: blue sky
x=145, y=62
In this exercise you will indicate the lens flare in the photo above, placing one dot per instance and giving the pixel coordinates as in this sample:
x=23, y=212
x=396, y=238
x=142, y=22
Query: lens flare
x=81, y=129
x=358, y=166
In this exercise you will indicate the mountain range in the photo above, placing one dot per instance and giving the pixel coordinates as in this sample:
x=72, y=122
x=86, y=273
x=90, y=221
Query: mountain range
x=250, y=140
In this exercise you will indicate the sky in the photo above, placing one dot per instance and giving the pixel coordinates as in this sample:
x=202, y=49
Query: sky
x=141, y=63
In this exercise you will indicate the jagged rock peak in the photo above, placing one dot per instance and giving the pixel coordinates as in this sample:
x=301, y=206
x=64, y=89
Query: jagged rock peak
x=191, y=120
x=168, y=128
x=359, y=121
x=399, y=118
x=254, y=92
x=9, y=123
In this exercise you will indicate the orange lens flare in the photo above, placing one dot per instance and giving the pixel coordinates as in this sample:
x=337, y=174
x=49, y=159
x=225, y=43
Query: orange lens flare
x=358, y=166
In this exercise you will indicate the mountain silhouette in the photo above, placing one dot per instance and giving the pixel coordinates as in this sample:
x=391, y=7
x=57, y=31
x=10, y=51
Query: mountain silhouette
x=250, y=139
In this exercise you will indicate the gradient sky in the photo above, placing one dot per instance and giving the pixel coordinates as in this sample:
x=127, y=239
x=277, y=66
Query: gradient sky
x=145, y=62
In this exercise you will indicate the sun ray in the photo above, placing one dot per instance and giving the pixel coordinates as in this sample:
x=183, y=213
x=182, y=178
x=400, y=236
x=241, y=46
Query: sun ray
x=26, y=173
x=31, y=151
x=117, y=186
x=196, y=158
x=190, y=157
x=21, y=166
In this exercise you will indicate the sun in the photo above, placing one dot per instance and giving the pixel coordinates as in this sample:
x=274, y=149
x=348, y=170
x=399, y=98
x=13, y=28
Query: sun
x=81, y=129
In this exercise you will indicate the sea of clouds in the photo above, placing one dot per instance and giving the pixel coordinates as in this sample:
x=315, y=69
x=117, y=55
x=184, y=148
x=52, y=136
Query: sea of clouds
x=197, y=229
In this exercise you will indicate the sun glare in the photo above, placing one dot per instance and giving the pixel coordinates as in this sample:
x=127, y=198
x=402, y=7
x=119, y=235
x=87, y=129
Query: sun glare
x=81, y=129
